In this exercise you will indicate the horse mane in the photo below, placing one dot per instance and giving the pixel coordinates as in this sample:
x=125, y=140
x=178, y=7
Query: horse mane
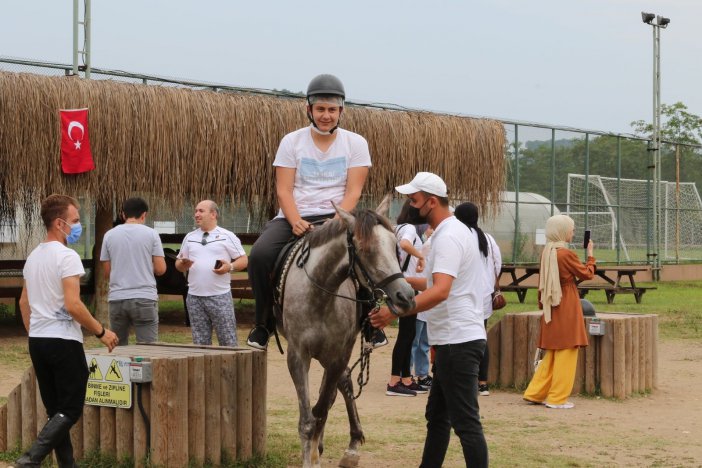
x=366, y=220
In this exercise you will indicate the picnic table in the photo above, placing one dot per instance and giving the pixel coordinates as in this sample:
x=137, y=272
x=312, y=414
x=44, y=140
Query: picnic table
x=521, y=278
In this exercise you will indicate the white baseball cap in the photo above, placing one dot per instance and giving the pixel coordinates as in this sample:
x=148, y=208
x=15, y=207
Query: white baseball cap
x=424, y=182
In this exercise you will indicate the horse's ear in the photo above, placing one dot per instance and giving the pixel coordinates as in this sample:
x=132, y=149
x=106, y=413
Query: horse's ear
x=384, y=207
x=347, y=218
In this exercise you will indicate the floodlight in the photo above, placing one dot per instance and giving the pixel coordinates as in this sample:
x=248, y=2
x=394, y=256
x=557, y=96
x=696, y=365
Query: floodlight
x=647, y=17
x=662, y=22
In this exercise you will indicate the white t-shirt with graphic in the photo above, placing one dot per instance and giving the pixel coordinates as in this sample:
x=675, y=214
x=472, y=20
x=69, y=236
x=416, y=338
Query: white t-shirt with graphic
x=409, y=233
x=454, y=251
x=320, y=177
x=44, y=271
x=219, y=244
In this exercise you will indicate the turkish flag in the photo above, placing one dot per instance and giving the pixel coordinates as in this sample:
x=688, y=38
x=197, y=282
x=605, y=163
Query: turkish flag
x=75, y=143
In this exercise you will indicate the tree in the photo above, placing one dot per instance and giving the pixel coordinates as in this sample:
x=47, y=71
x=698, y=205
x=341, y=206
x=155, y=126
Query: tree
x=678, y=125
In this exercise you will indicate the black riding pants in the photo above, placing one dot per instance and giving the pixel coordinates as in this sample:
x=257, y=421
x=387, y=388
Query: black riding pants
x=402, y=352
x=276, y=234
x=484, y=362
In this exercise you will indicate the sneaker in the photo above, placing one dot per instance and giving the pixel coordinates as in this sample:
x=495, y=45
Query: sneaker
x=399, y=390
x=258, y=338
x=483, y=390
x=424, y=382
x=416, y=388
x=566, y=405
x=378, y=338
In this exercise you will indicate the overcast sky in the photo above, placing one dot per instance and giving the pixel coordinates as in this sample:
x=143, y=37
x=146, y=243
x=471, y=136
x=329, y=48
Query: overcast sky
x=583, y=64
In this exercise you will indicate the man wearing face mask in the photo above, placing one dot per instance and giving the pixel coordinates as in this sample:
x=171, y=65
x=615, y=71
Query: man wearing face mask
x=53, y=313
x=314, y=166
x=452, y=289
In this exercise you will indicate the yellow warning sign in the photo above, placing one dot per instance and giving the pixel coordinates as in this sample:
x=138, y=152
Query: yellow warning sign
x=109, y=383
x=113, y=373
x=94, y=369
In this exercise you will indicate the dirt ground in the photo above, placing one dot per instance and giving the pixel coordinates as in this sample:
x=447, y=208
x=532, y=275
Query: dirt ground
x=660, y=429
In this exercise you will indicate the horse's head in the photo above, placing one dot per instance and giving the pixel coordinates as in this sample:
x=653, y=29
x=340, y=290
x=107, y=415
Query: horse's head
x=375, y=249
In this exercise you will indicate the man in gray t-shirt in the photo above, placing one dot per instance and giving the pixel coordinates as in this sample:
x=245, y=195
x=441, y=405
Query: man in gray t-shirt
x=131, y=255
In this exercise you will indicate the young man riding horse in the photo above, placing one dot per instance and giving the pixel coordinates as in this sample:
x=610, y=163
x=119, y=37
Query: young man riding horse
x=314, y=166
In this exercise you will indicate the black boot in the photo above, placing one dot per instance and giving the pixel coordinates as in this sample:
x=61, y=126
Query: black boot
x=50, y=436
x=64, y=453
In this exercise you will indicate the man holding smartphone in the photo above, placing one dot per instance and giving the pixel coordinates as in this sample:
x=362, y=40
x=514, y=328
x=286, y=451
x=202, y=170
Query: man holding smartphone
x=210, y=254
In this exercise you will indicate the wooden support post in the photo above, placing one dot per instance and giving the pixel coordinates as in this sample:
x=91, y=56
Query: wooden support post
x=534, y=333
x=229, y=404
x=213, y=428
x=159, y=411
x=140, y=433
x=520, y=350
x=579, y=380
x=124, y=432
x=29, y=408
x=507, y=351
x=494, y=337
x=178, y=412
x=108, y=438
x=244, y=441
x=591, y=365
x=619, y=361
x=642, y=355
x=3, y=428
x=606, y=364
x=259, y=378
x=649, y=354
x=14, y=418
x=77, y=438
x=654, y=352
x=91, y=429
x=196, y=409
x=628, y=355
x=635, y=349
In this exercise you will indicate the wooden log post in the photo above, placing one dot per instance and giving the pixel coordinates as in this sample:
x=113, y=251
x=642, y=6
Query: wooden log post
x=124, y=432
x=228, y=393
x=534, y=333
x=606, y=365
x=591, y=365
x=259, y=389
x=642, y=355
x=648, y=366
x=579, y=380
x=42, y=416
x=244, y=388
x=3, y=428
x=77, y=438
x=14, y=418
x=507, y=351
x=108, y=437
x=29, y=408
x=494, y=337
x=619, y=358
x=140, y=433
x=521, y=350
x=635, y=349
x=178, y=412
x=159, y=411
x=196, y=409
x=213, y=428
x=654, y=352
x=628, y=354
x=91, y=429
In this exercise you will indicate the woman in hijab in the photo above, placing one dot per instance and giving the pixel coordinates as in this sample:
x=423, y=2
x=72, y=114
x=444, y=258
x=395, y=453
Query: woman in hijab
x=562, y=325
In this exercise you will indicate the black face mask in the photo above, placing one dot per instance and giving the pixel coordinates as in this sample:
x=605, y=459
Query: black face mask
x=415, y=217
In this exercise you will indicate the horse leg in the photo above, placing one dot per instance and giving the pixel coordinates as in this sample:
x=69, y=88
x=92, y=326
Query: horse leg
x=327, y=396
x=299, y=367
x=351, y=457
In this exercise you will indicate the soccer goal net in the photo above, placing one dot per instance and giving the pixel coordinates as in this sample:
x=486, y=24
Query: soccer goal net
x=620, y=211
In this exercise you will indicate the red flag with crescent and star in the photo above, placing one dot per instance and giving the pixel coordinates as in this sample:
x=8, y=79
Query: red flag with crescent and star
x=75, y=143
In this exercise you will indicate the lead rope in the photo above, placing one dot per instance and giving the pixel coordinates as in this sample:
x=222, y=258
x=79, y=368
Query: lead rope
x=364, y=358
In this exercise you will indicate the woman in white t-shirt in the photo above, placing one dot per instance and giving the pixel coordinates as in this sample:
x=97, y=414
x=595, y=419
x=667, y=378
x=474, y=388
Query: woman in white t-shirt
x=420, y=346
x=491, y=258
x=411, y=261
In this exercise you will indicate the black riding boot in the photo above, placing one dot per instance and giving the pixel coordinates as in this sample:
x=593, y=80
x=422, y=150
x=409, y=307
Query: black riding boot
x=50, y=437
x=64, y=453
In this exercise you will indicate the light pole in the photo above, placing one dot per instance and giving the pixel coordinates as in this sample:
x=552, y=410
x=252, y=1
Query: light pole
x=660, y=23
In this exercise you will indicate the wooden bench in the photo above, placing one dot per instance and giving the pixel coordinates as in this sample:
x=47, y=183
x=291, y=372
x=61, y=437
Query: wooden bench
x=611, y=291
x=521, y=290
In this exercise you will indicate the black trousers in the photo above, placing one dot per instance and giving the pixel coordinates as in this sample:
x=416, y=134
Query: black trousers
x=276, y=234
x=485, y=361
x=453, y=402
x=402, y=351
x=62, y=374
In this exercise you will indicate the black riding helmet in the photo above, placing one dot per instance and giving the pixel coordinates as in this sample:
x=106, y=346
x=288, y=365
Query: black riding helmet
x=588, y=308
x=325, y=85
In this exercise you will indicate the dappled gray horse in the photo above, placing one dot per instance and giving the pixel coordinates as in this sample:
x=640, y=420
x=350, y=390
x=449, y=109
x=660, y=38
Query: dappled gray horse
x=320, y=316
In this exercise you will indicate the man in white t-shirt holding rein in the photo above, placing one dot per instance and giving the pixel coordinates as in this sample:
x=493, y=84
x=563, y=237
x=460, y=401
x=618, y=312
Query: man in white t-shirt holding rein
x=452, y=289
x=210, y=254
x=314, y=166
x=53, y=313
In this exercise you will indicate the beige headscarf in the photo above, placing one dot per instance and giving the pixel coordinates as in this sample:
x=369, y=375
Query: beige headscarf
x=558, y=228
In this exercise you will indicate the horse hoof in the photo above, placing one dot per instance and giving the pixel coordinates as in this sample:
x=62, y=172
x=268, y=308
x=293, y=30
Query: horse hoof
x=349, y=460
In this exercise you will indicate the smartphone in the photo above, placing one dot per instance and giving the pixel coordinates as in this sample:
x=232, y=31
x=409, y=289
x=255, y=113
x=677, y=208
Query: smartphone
x=586, y=238
x=218, y=264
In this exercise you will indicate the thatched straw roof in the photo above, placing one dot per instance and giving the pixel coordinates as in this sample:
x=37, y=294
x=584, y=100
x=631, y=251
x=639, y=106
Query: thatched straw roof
x=178, y=143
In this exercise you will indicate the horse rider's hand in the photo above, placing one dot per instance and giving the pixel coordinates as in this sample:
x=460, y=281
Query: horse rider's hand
x=109, y=339
x=420, y=264
x=224, y=268
x=301, y=227
x=382, y=317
